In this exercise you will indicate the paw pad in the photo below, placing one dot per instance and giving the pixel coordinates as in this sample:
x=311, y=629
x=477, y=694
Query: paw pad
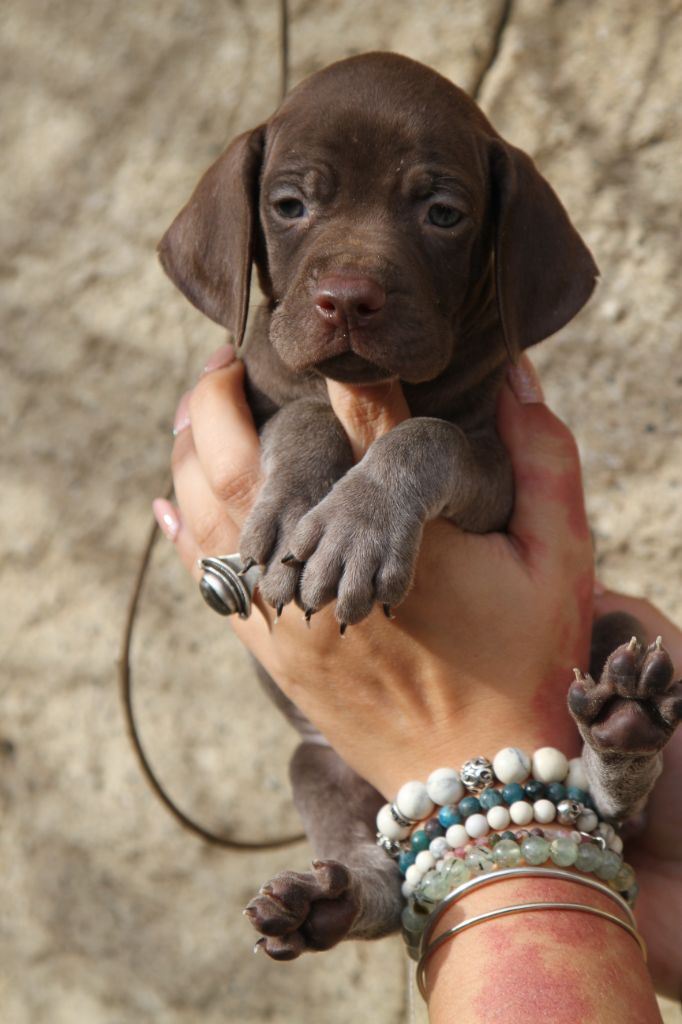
x=635, y=706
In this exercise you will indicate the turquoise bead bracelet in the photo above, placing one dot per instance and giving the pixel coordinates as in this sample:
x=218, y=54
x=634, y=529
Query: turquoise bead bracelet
x=515, y=815
x=484, y=802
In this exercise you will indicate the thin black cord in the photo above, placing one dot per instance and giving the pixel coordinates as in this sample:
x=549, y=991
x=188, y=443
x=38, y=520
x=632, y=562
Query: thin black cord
x=125, y=668
x=126, y=688
x=284, y=46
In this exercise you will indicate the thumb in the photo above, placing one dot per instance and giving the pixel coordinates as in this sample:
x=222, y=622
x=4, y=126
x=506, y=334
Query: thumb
x=367, y=411
x=549, y=511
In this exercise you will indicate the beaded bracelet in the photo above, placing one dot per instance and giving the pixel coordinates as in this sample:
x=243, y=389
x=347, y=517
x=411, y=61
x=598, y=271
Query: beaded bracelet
x=540, y=790
x=458, y=815
x=612, y=875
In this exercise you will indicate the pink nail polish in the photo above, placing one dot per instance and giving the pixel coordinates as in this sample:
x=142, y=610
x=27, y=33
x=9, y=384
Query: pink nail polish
x=221, y=358
x=167, y=517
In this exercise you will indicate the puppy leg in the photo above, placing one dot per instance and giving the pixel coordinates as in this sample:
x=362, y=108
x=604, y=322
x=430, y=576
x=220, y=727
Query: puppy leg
x=304, y=451
x=360, y=543
x=626, y=719
x=353, y=890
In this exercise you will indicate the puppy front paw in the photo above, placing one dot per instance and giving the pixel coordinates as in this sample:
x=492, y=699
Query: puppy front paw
x=263, y=541
x=297, y=913
x=358, y=547
x=635, y=707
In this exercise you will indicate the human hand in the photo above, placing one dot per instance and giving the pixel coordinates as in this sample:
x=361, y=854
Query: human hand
x=479, y=655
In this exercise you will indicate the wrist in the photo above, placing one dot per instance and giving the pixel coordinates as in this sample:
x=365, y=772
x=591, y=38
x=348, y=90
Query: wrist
x=561, y=964
x=490, y=725
x=465, y=880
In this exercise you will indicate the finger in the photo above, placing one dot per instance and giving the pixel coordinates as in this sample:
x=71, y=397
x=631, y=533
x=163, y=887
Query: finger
x=200, y=525
x=226, y=441
x=170, y=523
x=167, y=517
x=206, y=527
x=654, y=621
x=549, y=511
x=367, y=411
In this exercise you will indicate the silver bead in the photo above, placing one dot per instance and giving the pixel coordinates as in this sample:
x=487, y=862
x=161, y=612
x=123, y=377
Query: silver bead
x=568, y=811
x=391, y=847
x=477, y=774
x=399, y=818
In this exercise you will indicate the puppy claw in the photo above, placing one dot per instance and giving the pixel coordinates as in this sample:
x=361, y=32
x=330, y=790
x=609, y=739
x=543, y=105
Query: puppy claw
x=307, y=615
x=658, y=643
x=388, y=612
x=289, y=559
x=342, y=629
x=259, y=945
x=586, y=680
x=633, y=645
x=248, y=564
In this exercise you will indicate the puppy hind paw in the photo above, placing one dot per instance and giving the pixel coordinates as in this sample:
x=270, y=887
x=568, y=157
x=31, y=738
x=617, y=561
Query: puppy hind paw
x=635, y=706
x=303, y=912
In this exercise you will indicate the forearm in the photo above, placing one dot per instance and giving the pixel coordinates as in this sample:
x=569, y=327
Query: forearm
x=560, y=966
x=561, y=929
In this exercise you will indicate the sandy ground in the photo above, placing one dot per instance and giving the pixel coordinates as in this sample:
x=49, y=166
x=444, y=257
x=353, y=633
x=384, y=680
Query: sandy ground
x=108, y=912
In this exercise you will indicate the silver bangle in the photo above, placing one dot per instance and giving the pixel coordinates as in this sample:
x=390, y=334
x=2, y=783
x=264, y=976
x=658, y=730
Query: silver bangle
x=528, y=872
x=518, y=909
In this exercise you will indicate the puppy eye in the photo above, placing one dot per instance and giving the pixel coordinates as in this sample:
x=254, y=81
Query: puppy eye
x=291, y=209
x=444, y=216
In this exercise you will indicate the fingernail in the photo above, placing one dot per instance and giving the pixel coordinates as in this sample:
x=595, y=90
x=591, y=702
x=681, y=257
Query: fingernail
x=525, y=382
x=167, y=517
x=221, y=357
x=181, y=421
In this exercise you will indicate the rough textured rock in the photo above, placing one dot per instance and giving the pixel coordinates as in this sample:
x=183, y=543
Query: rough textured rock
x=110, y=913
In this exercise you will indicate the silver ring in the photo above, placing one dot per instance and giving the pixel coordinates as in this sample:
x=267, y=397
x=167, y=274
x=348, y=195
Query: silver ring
x=227, y=585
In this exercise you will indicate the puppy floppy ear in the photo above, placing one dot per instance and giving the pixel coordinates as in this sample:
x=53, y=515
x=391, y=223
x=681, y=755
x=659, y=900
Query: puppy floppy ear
x=208, y=249
x=544, y=272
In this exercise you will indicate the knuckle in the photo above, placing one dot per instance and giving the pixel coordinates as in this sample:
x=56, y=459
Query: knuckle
x=236, y=487
x=211, y=533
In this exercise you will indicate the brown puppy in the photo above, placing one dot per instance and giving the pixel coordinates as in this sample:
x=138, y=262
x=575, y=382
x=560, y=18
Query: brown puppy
x=396, y=236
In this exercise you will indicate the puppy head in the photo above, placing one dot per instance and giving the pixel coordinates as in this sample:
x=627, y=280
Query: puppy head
x=377, y=170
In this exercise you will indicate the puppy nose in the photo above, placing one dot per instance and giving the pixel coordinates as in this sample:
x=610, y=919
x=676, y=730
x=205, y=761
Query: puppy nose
x=348, y=298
